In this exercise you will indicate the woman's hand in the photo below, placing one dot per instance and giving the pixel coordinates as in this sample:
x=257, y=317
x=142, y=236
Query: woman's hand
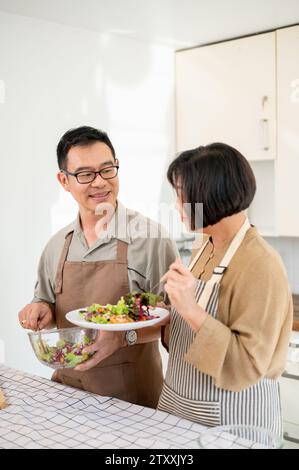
x=180, y=287
x=106, y=343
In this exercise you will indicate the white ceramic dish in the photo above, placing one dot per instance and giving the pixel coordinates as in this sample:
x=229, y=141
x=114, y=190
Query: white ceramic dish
x=75, y=318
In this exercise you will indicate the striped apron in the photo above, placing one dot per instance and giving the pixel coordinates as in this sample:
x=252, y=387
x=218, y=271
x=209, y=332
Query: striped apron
x=191, y=394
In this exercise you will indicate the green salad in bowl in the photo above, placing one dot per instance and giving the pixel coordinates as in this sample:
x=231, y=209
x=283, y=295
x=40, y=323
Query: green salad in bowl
x=62, y=348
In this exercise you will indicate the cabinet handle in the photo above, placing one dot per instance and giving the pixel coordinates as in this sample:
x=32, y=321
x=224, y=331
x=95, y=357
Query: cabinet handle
x=264, y=101
x=264, y=134
x=287, y=437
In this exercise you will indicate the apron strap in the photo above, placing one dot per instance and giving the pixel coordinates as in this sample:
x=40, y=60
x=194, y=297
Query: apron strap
x=208, y=291
x=197, y=256
x=122, y=251
x=62, y=260
x=236, y=242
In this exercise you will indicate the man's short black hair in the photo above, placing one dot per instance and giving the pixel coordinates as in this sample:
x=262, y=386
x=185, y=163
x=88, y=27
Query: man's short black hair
x=216, y=175
x=81, y=136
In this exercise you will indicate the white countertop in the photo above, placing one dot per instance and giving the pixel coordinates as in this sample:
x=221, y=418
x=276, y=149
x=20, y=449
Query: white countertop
x=44, y=414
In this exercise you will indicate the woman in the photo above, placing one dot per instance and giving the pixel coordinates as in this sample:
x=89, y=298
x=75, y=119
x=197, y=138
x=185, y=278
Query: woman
x=232, y=310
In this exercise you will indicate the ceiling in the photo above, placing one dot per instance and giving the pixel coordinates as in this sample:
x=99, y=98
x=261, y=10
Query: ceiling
x=177, y=23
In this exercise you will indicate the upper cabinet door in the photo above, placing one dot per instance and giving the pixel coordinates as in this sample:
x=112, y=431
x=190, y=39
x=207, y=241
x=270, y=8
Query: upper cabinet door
x=226, y=93
x=288, y=131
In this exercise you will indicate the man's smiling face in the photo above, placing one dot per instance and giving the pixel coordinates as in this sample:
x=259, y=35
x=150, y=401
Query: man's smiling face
x=94, y=157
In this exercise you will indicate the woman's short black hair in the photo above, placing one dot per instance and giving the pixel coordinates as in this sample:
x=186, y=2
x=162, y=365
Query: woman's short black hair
x=81, y=136
x=216, y=175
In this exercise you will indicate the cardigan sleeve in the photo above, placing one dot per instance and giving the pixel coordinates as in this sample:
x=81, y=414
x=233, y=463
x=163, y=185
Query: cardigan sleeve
x=238, y=354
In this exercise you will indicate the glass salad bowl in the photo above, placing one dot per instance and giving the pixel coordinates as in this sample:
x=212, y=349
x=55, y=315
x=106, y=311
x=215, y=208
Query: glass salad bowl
x=239, y=437
x=62, y=348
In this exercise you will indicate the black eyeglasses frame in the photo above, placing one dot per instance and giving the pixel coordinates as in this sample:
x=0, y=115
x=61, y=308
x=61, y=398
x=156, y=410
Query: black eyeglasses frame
x=66, y=172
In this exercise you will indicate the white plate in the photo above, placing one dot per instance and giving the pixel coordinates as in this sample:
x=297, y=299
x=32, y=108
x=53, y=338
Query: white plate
x=75, y=318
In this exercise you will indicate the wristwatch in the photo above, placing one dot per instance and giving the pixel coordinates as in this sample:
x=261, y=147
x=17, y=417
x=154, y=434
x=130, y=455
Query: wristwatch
x=131, y=337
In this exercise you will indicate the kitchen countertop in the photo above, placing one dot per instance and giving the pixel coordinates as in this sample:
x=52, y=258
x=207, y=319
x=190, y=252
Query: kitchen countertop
x=44, y=414
x=48, y=415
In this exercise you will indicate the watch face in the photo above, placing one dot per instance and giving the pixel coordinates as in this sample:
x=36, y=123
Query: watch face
x=131, y=337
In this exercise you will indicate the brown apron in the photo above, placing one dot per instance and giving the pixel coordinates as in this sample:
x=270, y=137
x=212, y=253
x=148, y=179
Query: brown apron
x=133, y=373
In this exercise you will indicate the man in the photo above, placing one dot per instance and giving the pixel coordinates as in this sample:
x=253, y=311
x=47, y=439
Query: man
x=88, y=262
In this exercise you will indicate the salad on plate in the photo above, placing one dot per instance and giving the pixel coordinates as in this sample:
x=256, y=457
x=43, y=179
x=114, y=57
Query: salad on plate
x=132, y=307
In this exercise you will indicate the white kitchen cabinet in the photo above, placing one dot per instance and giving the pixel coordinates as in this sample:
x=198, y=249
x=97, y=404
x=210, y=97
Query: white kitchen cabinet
x=287, y=165
x=263, y=209
x=226, y=92
x=289, y=391
x=245, y=92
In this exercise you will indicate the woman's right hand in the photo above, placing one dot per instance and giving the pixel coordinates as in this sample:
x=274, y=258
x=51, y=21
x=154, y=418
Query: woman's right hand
x=36, y=316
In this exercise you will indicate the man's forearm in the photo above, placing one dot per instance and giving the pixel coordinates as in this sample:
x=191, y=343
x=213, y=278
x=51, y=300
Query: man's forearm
x=145, y=335
x=107, y=342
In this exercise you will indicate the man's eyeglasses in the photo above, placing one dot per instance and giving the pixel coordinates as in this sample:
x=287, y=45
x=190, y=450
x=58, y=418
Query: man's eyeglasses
x=85, y=177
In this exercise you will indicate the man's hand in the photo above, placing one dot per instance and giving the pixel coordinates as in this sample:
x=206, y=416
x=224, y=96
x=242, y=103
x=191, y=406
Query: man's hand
x=106, y=343
x=36, y=316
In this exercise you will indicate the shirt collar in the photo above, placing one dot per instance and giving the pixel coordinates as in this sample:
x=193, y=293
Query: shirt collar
x=118, y=228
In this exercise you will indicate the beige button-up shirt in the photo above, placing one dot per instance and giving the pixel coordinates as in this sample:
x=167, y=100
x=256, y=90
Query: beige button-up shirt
x=150, y=252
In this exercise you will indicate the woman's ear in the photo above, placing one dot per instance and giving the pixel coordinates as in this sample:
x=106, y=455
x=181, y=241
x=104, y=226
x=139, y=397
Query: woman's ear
x=63, y=180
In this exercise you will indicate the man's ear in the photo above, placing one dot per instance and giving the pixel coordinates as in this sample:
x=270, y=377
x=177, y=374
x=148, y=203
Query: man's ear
x=117, y=162
x=63, y=180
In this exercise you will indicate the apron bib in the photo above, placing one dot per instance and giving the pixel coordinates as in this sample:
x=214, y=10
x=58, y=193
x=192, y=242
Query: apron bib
x=191, y=394
x=133, y=373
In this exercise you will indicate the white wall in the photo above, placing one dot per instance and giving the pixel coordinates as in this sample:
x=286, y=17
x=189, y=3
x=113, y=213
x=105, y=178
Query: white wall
x=57, y=77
